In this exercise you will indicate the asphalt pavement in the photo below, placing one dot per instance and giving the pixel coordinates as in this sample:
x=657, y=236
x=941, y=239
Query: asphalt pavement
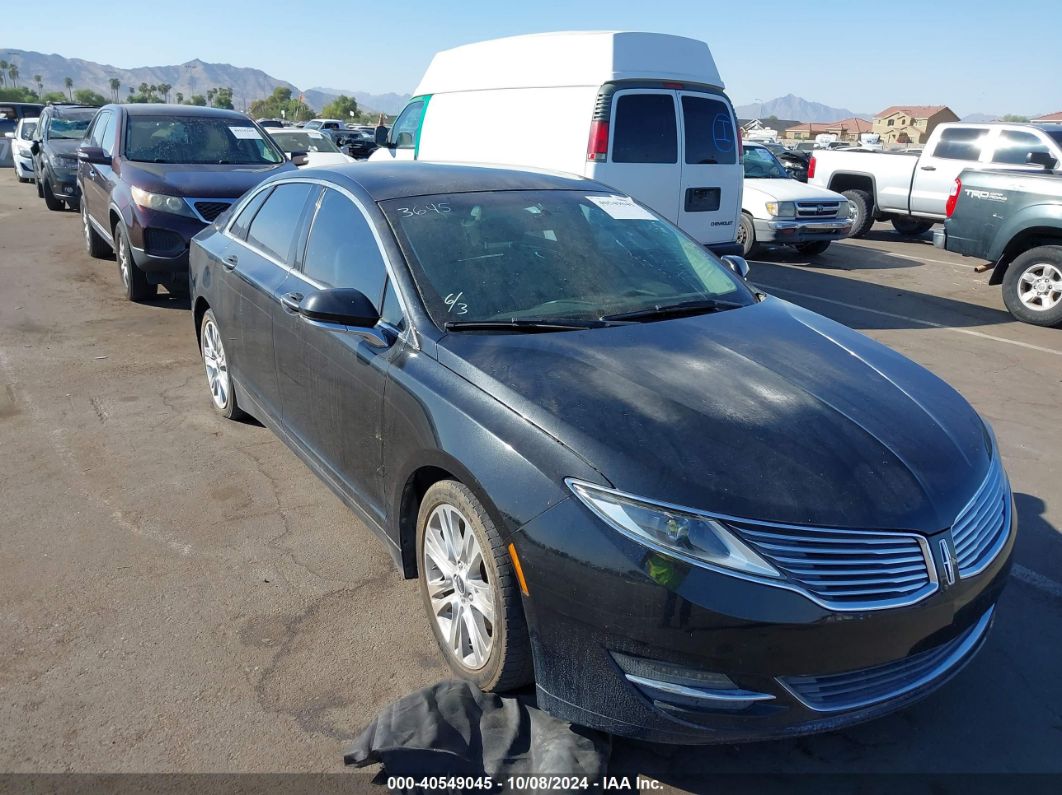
x=179, y=593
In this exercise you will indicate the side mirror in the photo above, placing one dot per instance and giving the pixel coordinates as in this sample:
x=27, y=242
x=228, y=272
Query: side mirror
x=343, y=305
x=1041, y=159
x=737, y=265
x=92, y=154
x=35, y=148
x=381, y=136
x=9, y=135
x=299, y=158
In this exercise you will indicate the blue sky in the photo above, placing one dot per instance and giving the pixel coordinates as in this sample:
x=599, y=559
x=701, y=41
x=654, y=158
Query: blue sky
x=974, y=55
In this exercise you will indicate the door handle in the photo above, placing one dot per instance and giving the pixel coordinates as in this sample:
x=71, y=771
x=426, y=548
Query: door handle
x=929, y=168
x=230, y=261
x=291, y=301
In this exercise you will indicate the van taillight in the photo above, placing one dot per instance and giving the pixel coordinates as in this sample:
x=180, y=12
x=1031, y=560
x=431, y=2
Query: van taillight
x=597, y=145
x=953, y=197
x=811, y=169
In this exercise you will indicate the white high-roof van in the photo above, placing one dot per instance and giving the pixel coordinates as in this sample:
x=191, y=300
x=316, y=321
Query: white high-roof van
x=642, y=112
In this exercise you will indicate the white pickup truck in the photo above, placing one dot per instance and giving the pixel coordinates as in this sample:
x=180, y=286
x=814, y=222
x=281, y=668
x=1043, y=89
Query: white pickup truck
x=912, y=191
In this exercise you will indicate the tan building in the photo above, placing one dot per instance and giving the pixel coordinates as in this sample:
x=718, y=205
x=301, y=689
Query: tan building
x=910, y=124
x=845, y=130
x=804, y=132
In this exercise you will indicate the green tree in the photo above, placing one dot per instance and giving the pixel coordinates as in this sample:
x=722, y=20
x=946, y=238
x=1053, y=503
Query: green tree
x=86, y=96
x=20, y=94
x=280, y=100
x=341, y=108
x=3, y=72
x=12, y=72
x=164, y=89
x=69, y=83
x=1014, y=117
x=115, y=85
x=53, y=96
x=179, y=97
x=197, y=99
x=40, y=84
x=223, y=98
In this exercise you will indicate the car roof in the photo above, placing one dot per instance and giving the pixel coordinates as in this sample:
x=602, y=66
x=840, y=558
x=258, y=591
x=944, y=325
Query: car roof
x=383, y=181
x=156, y=109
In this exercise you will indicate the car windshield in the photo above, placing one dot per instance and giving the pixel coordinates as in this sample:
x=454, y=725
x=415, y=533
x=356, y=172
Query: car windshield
x=759, y=163
x=303, y=141
x=28, y=128
x=197, y=139
x=553, y=255
x=69, y=125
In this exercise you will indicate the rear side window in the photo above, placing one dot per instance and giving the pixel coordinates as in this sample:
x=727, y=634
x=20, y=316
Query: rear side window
x=645, y=129
x=243, y=220
x=274, y=228
x=342, y=250
x=404, y=132
x=960, y=144
x=710, y=135
x=1014, y=147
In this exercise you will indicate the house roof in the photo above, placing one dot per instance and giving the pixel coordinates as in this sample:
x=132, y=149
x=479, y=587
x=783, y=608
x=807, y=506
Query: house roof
x=1056, y=116
x=914, y=111
x=811, y=127
x=852, y=124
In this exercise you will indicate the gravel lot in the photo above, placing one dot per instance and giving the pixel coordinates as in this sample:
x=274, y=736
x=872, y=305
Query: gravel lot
x=179, y=593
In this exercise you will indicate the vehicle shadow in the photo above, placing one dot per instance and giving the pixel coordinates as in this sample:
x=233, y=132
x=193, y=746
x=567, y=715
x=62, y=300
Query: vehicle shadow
x=839, y=256
x=888, y=235
x=865, y=305
x=166, y=300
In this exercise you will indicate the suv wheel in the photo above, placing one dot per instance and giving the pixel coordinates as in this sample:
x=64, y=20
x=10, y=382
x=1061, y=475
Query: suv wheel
x=470, y=590
x=1032, y=286
x=137, y=287
x=95, y=245
x=50, y=201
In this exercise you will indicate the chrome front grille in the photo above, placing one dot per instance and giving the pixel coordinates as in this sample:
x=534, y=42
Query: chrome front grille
x=817, y=209
x=981, y=529
x=849, y=569
x=868, y=686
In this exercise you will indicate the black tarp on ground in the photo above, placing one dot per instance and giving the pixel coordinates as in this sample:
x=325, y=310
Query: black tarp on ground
x=454, y=729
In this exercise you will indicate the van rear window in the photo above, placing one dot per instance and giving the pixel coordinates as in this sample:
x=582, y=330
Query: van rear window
x=710, y=134
x=646, y=130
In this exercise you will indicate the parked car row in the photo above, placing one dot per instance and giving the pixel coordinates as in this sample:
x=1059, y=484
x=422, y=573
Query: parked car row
x=684, y=510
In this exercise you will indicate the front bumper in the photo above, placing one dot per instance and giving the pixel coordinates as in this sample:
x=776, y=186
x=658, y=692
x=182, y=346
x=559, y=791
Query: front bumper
x=159, y=243
x=801, y=230
x=620, y=634
x=63, y=184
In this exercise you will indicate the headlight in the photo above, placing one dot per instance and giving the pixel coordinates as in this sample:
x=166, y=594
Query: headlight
x=62, y=161
x=161, y=202
x=781, y=209
x=682, y=534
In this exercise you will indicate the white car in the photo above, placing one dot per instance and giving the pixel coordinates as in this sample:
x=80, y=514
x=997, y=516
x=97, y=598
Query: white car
x=21, y=141
x=319, y=149
x=775, y=208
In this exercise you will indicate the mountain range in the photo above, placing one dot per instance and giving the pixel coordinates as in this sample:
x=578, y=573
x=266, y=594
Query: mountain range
x=793, y=107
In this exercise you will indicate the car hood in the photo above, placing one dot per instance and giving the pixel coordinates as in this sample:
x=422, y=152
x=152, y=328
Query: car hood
x=314, y=159
x=199, y=181
x=788, y=190
x=766, y=412
x=62, y=146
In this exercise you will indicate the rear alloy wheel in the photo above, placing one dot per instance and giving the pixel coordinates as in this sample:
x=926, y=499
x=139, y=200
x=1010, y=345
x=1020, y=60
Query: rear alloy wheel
x=746, y=236
x=862, y=211
x=812, y=249
x=1032, y=286
x=216, y=363
x=908, y=226
x=50, y=201
x=137, y=287
x=470, y=590
x=95, y=245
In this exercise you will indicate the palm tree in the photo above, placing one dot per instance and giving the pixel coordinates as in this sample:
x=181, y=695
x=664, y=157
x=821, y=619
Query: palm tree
x=69, y=83
x=164, y=89
x=210, y=95
x=3, y=71
x=12, y=72
x=179, y=97
x=115, y=85
x=40, y=85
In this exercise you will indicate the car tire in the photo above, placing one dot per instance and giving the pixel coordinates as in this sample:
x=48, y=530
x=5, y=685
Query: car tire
x=216, y=362
x=862, y=211
x=812, y=249
x=50, y=201
x=95, y=245
x=466, y=576
x=134, y=281
x=908, y=226
x=23, y=179
x=1032, y=286
x=746, y=236
x=40, y=189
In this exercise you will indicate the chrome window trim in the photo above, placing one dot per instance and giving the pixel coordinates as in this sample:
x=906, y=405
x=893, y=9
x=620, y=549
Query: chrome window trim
x=408, y=334
x=838, y=607
x=974, y=636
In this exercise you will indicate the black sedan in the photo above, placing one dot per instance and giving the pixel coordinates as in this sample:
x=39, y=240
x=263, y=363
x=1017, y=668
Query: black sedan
x=685, y=510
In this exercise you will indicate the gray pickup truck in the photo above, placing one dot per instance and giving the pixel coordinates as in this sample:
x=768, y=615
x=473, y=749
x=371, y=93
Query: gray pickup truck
x=1013, y=219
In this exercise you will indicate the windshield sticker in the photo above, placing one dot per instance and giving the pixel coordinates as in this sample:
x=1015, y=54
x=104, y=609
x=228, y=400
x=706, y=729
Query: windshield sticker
x=245, y=133
x=622, y=208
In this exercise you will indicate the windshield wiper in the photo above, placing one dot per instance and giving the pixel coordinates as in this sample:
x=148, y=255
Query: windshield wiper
x=530, y=326
x=661, y=311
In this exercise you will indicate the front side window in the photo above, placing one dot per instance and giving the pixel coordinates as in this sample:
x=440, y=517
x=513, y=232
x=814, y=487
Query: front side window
x=197, y=140
x=759, y=163
x=243, y=220
x=303, y=141
x=550, y=255
x=645, y=129
x=342, y=250
x=1014, y=147
x=710, y=135
x=274, y=227
x=69, y=126
x=403, y=134
x=958, y=143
